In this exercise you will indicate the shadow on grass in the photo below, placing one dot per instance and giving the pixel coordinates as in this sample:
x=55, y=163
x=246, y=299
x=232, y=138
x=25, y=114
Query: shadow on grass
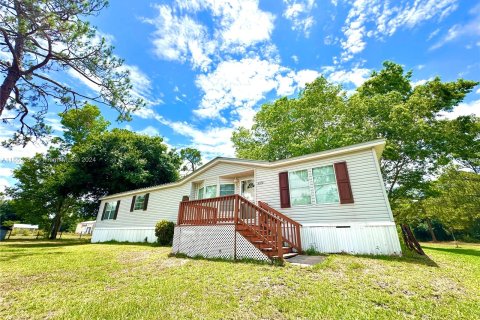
x=126, y=243
x=23, y=254
x=43, y=243
x=244, y=260
x=467, y=252
x=408, y=258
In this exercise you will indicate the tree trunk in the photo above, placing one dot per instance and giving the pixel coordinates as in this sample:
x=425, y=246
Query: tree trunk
x=454, y=239
x=55, y=226
x=7, y=87
x=14, y=72
x=430, y=229
x=410, y=240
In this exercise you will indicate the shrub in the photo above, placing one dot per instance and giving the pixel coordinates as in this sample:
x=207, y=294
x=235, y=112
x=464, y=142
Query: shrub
x=164, y=232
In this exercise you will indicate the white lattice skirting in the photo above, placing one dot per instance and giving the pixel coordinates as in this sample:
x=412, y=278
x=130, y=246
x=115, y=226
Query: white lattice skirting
x=124, y=234
x=214, y=242
x=375, y=239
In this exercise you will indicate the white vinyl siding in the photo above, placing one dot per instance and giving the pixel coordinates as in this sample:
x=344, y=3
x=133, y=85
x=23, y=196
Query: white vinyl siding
x=325, y=184
x=139, y=200
x=299, y=188
x=163, y=204
x=370, y=201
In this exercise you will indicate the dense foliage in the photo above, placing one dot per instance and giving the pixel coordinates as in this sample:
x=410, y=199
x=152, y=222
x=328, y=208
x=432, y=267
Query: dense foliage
x=87, y=163
x=421, y=142
x=164, y=232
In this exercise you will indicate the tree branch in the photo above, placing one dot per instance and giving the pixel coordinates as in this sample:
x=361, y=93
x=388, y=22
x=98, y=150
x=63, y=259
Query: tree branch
x=45, y=61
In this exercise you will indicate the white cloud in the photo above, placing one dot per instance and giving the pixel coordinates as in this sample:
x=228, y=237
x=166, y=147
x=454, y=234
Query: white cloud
x=238, y=65
x=470, y=29
x=242, y=22
x=241, y=84
x=295, y=58
x=478, y=91
x=141, y=84
x=6, y=172
x=212, y=141
x=237, y=25
x=299, y=12
x=420, y=82
x=180, y=38
x=150, y=131
x=433, y=34
x=4, y=183
x=11, y=157
x=355, y=76
x=54, y=123
x=464, y=109
x=236, y=83
x=377, y=19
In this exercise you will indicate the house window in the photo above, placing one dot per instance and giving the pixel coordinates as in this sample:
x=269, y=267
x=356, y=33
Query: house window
x=299, y=187
x=210, y=191
x=139, y=200
x=110, y=208
x=227, y=189
x=200, y=193
x=326, y=190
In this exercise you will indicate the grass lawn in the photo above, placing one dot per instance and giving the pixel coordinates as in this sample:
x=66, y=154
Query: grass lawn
x=72, y=279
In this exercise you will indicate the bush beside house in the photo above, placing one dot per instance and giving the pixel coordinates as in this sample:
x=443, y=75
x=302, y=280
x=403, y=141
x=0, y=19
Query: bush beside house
x=164, y=232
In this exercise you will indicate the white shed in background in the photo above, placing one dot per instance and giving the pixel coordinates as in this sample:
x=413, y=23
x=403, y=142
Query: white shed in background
x=85, y=227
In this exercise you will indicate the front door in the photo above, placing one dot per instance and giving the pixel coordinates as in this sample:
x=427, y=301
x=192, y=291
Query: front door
x=248, y=190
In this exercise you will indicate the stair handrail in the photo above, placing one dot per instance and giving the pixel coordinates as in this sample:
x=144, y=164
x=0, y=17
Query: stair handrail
x=277, y=242
x=294, y=240
x=217, y=204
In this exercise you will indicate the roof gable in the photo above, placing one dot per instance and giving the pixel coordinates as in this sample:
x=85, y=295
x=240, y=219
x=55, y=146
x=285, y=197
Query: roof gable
x=377, y=145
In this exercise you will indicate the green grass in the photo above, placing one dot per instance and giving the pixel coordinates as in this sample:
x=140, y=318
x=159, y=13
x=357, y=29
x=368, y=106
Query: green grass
x=72, y=279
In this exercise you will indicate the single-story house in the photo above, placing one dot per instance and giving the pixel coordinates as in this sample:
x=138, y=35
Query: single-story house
x=330, y=201
x=85, y=227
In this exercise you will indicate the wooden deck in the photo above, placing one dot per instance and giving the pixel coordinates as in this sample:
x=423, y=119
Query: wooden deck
x=275, y=234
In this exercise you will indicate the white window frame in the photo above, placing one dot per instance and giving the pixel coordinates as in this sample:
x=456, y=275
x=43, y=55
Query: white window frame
x=110, y=209
x=137, y=198
x=210, y=186
x=308, y=185
x=315, y=185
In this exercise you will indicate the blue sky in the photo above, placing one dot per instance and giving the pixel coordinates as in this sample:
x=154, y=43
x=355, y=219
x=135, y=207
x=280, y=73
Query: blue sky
x=205, y=67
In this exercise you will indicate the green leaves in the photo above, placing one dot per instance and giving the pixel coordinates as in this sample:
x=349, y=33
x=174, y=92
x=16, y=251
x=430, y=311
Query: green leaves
x=52, y=37
x=419, y=142
x=88, y=163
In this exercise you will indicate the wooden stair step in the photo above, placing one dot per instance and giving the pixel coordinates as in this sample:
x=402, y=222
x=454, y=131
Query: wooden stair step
x=286, y=250
x=287, y=255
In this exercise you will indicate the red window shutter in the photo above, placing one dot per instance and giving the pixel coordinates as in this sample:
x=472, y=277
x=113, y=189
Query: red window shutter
x=145, y=201
x=132, y=206
x=343, y=183
x=284, y=190
x=116, y=210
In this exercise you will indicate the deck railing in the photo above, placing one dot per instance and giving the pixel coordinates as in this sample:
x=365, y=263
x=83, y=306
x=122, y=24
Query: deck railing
x=234, y=209
x=290, y=227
